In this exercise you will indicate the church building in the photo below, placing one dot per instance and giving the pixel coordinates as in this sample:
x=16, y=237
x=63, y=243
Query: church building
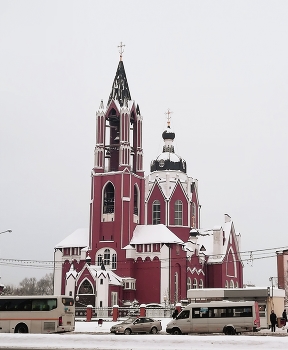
x=144, y=240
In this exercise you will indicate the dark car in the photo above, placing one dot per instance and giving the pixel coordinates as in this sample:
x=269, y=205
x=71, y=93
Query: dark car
x=137, y=325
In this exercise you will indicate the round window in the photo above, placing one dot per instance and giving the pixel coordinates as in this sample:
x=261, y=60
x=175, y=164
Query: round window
x=161, y=163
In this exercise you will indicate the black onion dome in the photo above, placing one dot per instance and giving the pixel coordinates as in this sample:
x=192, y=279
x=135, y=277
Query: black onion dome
x=168, y=159
x=168, y=134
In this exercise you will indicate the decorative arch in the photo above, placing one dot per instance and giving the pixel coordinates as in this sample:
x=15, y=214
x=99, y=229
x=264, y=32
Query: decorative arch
x=108, y=205
x=231, y=269
x=85, y=287
x=195, y=283
x=108, y=256
x=231, y=284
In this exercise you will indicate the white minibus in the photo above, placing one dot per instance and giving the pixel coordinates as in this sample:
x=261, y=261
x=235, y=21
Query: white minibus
x=37, y=314
x=226, y=317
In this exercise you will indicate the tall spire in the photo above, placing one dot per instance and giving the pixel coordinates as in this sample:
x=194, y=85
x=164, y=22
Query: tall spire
x=120, y=89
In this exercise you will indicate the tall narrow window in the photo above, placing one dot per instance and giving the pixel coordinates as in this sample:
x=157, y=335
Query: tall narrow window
x=201, y=284
x=114, y=262
x=108, y=200
x=99, y=259
x=193, y=223
x=195, y=283
x=136, y=201
x=178, y=213
x=114, y=298
x=176, y=287
x=156, y=212
x=188, y=283
x=107, y=257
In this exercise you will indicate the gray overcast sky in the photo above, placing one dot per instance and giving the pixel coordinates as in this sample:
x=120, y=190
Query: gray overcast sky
x=220, y=66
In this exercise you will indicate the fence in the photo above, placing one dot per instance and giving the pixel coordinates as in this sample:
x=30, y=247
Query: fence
x=107, y=312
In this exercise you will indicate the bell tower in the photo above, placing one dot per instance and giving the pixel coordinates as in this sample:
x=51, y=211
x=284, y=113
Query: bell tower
x=117, y=189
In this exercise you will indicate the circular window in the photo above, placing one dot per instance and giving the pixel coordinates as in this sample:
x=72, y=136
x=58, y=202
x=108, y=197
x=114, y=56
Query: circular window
x=161, y=163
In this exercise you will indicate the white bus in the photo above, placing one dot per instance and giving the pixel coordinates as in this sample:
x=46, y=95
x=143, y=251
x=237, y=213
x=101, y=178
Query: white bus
x=37, y=314
x=226, y=317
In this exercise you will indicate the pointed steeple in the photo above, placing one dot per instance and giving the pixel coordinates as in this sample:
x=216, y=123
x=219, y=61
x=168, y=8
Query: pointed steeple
x=120, y=89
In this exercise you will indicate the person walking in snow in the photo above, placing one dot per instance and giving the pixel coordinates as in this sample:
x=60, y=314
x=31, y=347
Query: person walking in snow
x=273, y=320
x=284, y=316
x=175, y=313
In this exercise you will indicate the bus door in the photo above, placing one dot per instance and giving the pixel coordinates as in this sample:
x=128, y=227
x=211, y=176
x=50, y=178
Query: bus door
x=200, y=318
x=183, y=321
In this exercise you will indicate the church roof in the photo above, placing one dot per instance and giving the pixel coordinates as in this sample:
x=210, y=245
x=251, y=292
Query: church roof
x=120, y=90
x=78, y=238
x=147, y=234
x=205, y=239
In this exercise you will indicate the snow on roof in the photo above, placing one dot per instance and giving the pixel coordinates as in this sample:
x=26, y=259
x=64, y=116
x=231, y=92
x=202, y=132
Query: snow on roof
x=78, y=238
x=171, y=156
x=113, y=278
x=144, y=234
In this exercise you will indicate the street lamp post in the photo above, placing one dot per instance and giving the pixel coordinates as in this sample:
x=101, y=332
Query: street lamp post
x=0, y=234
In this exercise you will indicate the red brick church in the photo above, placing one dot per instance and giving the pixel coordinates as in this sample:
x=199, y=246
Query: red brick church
x=144, y=240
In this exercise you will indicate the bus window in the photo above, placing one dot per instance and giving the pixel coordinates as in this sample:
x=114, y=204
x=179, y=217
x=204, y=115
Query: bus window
x=68, y=301
x=201, y=312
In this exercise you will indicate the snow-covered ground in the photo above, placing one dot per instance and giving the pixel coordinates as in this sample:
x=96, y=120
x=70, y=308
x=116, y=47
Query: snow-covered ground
x=88, y=335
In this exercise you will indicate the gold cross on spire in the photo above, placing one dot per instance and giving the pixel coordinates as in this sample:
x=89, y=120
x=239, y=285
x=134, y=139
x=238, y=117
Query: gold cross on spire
x=121, y=50
x=168, y=117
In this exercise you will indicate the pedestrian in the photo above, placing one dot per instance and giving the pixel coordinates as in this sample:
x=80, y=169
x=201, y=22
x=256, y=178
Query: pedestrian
x=273, y=320
x=175, y=313
x=284, y=316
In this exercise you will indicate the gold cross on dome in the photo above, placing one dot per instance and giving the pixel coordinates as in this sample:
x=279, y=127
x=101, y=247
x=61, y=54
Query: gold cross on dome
x=121, y=50
x=168, y=117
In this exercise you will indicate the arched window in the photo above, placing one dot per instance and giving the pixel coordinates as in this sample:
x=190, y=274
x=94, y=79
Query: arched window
x=236, y=285
x=231, y=284
x=226, y=284
x=201, y=284
x=107, y=257
x=195, y=283
x=85, y=288
x=156, y=212
x=114, y=262
x=136, y=200
x=178, y=208
x=189, y=283
x=109, y=198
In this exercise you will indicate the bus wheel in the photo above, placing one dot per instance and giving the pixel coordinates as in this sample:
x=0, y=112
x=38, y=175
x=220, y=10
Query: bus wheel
x=229, y=331
x=176, y=331
x=21, y=328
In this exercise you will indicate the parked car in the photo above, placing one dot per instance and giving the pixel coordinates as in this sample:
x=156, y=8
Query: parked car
x=137, y=325
x=155, y=306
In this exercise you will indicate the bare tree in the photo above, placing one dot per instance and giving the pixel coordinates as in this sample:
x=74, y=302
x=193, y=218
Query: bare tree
x=45, y=285
x=30, y=286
